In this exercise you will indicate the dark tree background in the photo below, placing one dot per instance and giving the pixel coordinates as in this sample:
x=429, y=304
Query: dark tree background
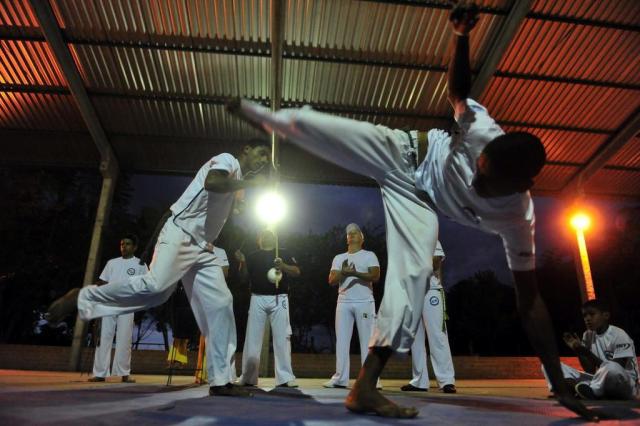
x=46, y=226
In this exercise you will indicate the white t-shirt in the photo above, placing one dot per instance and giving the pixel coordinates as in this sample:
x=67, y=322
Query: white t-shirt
x=202, y=213
x=220, y=257
x=354, y=289
x=614, y=343
x=446, y=175
x=120, y=269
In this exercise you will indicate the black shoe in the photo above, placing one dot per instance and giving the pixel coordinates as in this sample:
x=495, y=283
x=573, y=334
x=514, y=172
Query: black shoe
x=411, y=388
x=229, y=390
x=449, y=388
x=584, y=391
x=62, y=307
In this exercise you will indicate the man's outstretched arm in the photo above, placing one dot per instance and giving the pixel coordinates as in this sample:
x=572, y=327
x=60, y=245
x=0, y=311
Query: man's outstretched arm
x=463, y=20
x=537, y=324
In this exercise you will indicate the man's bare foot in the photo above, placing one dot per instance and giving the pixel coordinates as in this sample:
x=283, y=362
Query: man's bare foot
x=370, y=401
x=236, y=107
x=62, y=307
x=571, y=403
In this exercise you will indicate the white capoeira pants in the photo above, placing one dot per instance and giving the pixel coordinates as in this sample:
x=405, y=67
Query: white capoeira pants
x=176, y=256
x=363, y=314
x=276, y=308
x=439, y=351
x=120, y=326
x=385, y=155
x=610, y=381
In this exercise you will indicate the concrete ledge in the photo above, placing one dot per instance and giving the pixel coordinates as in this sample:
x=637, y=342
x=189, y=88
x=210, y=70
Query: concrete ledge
x=56, y=358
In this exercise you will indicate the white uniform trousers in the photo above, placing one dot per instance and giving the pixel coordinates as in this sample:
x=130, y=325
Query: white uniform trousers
x=439, y=351
x=122, y=327
x=276, y=308
x=611, y=380
x=385, y=155
x=176, y=256
x=363, y=314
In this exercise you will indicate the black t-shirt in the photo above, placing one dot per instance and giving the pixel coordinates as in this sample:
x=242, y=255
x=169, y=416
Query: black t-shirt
x=259, y=263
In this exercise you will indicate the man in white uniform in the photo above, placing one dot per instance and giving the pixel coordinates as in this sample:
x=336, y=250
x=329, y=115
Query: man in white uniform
x=433, y=319
x=183, y=252
x=116, y=270
x=268, y=300
x=475, y=182
x=607, y=355
x=354, y=272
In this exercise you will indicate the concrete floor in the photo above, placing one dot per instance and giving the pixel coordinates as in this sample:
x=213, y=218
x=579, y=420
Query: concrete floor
x=35, y=397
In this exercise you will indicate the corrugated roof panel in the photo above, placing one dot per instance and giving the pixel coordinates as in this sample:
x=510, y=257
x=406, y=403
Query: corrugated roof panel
x=628, y=155
x=553, y=178
x=229, y=19
x=560, y=104
x=39, y=111
x=171, y=71
x=30, y=63
x=419, y=34
x=619, y=11
x=378, y=88
x=614, y=182
x=182, y=119
x=574, y=51
x=18, y=13
x=572, y=147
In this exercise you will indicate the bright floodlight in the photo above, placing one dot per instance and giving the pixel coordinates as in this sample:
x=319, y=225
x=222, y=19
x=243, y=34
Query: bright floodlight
x=580, y=221
x=271, y=208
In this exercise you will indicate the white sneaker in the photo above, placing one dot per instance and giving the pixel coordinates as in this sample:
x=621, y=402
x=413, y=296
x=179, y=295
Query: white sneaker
x=331, y=384
x=379, y=385
x=289, y=384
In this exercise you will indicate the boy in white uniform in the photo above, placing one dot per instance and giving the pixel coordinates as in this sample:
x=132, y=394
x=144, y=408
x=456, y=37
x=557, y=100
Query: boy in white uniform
x=183, y=252
x=355, y=272
x=475, y=182
x=433, y=319
x=117, y=269
x=607, y=355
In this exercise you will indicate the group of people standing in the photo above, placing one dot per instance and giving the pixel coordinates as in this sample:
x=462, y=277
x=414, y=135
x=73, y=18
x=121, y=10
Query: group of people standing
x=477, y=175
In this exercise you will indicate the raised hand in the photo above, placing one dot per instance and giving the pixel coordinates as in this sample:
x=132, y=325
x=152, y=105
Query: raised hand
x=347, y=270
x=572, y=340
x=464, y=18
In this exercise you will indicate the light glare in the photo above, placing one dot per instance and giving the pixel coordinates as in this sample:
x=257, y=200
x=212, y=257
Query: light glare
x=271, y=208
x=580, y=221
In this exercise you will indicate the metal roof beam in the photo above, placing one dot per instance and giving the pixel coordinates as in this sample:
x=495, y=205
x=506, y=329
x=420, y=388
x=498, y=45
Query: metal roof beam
x=499, y=46
x=427, y=4
x=609, y=149
x=51, y=31
x=324, y=107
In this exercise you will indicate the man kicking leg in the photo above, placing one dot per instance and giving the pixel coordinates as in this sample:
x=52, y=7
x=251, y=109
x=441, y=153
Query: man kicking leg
x=183, y=252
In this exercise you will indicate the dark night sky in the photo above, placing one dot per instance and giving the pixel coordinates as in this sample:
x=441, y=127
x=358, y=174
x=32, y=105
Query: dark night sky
x=317, y=208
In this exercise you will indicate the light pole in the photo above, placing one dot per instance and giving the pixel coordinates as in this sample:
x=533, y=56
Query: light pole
x=580, y=221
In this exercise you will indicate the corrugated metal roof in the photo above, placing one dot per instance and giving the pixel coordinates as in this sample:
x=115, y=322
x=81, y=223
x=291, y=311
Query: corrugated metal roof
x=158, y=73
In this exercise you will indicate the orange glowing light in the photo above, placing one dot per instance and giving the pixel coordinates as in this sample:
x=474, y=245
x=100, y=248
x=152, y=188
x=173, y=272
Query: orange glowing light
x=580, y=221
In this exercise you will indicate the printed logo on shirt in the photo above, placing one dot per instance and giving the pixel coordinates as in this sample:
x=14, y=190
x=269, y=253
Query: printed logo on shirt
x=131, y=271
x=623, y=346
x=434, y=301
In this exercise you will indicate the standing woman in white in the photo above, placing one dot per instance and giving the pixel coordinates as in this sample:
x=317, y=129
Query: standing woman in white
x=117, y=269
x=355, y=272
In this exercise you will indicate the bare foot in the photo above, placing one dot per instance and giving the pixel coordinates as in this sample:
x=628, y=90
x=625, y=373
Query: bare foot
x=571, y=403
x=62, y=307
x=365, y=401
